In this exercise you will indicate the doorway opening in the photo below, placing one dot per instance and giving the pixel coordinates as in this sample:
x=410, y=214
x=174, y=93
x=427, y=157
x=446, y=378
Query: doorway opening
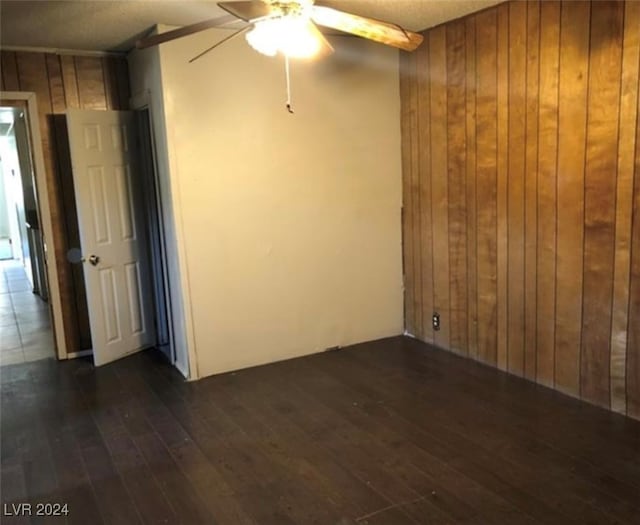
x=25, y=320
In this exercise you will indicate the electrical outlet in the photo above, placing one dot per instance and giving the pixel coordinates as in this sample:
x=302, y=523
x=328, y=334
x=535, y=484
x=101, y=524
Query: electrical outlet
x=435, y=321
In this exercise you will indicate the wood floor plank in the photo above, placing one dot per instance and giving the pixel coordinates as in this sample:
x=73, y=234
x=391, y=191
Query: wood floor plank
x=392, y=431
x=537, y=466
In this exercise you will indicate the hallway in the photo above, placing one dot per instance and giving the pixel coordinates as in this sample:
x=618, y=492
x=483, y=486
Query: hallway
x=25, y=325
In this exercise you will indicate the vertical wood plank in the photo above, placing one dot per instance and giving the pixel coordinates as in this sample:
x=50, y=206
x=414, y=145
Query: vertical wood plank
x=456, y=162
x=547, y=180
x=32, y=75
x=516, y=183
x=486, y=150
x=91, y=88
x=439, y=184
x=70, y=81
x=600, y=196
x=424, y=146
x=502, y=182
x=572, y=115
x=56, y=85
x=472, y=245
x=633, y=339
x=624, y=204
x=548, y=202
x=110, y=76
x=122, y=76
x=407, y=197
x=417, y=201
x=116, y=82
x=9, y=71
x=531, y=187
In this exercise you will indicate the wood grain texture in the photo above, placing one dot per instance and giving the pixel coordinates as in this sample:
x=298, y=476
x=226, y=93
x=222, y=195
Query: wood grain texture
x=517, y=85
x=531, y=190
x=110, y=76
x=486, y=162
x=408, y=119
x=417, y=201
x=439, y=182
x=424, y=161
x=547, y=181
x=546, y=215
x=91, y=86
x=32, y=75
x=61, y=82
x=70, y=80
x=600, y=198
x=502, y=190
x=456, y=163
x=624, y=205
x=572, y=114
x=471, y=188
x=278, y=445
x=633, y=337
x=10, y=79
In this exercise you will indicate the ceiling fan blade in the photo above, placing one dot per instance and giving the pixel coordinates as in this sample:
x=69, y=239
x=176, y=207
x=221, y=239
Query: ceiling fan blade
x=217, y=44
x=154, y=40
x=247, y=11
x=325, y=47
x=383, y=32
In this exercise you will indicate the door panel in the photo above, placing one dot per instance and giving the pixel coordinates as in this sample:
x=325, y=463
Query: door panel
x=106, y=179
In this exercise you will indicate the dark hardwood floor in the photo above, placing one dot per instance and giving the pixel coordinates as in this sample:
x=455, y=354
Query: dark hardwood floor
x=388, y=432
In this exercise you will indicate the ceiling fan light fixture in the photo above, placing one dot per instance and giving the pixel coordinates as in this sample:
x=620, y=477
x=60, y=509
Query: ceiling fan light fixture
x=289, y=35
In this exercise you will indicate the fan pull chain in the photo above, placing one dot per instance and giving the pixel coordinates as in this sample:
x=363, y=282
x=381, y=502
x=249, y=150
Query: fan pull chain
x=288, y=75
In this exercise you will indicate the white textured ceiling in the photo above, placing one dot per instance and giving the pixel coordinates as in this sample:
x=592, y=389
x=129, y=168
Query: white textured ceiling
x=108, y=25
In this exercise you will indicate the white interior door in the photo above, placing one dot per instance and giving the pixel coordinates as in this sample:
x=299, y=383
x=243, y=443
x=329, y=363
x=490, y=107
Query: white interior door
x=112, y=232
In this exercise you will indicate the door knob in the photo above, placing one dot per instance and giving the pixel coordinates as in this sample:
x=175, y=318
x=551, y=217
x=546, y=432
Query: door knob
x=94, y=260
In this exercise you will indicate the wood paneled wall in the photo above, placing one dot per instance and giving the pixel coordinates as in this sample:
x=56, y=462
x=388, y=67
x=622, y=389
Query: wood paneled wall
x=61, y=82
x=521, y=161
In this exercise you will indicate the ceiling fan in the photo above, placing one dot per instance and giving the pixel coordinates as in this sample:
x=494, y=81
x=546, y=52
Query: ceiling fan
x=290, y=27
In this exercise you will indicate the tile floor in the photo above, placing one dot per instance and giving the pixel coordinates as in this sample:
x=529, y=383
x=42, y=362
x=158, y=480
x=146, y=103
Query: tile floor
x=25, y=325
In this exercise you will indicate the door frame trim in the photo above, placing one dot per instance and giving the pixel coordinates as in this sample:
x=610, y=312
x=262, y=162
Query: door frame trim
x=179, y=289
x=42, y=187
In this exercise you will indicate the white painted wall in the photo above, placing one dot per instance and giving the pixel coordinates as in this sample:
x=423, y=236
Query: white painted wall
x=288, y=226
x=5, y=230
x=14, y=197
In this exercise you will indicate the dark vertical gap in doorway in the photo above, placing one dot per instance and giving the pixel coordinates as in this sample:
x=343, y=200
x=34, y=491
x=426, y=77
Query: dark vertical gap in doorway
x=155, y=232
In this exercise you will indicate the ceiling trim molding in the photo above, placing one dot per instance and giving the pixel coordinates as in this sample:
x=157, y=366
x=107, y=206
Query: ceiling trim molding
x=58, y=51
